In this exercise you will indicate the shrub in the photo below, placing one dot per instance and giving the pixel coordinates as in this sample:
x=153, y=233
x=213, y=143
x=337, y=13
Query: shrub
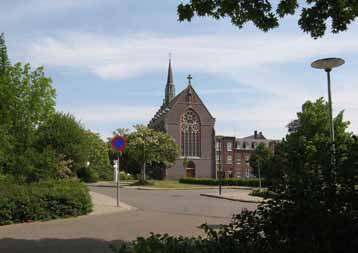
x=42, y=201
x=253, y=182
x=88, y=175
x=263, y=194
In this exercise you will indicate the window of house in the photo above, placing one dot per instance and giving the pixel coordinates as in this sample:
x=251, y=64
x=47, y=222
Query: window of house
x=244, y=145
x=237, y=145
x=217, y=158
x=229, y=146
x=253, y=145
x=229, y=159
x=238, y=159
x=190, y=134
x=218, y=146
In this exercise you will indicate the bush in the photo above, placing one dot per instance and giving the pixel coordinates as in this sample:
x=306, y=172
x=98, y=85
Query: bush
x=279, y=226
x=44, y=200
x=253, y=182
x=88, y=175
x=263, y=194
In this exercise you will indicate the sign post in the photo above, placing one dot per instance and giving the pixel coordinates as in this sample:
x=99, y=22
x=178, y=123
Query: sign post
x=118, y=143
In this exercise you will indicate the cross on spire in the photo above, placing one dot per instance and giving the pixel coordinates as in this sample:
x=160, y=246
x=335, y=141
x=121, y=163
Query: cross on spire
x=189, y=79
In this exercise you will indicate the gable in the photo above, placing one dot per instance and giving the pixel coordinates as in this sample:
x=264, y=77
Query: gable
x=185, y=100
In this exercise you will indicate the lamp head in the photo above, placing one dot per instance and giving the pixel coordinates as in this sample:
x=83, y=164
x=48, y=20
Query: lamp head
x=327, y=63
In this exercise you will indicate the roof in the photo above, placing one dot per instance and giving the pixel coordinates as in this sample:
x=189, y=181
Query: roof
x=164, y=109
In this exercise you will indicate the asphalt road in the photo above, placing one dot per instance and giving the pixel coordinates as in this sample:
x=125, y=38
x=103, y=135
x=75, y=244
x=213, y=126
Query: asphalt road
x=179, y=202
x=177, y=212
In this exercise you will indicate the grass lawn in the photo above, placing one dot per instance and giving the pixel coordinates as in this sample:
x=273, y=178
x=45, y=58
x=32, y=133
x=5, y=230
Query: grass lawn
x=173, y=184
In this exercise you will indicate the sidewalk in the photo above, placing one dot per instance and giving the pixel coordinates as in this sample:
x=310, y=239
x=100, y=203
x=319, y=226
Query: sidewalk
x=103, y=204
x=242, y=196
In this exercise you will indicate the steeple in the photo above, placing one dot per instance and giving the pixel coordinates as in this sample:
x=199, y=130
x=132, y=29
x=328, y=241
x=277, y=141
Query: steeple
x=169, y=88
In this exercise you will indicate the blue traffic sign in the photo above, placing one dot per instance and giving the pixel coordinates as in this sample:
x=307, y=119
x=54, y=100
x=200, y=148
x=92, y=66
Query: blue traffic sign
x=118, y=143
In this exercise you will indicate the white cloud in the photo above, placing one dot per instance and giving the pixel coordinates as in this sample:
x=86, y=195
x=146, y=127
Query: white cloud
x=118, y=57
x=246, y=59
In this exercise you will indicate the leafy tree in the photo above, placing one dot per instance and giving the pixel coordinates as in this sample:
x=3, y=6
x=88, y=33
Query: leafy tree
x=126, y=163
x=98, y=156
x=147, y=146
x=314, y=16
x=67, y=137
x=304, y=157
x=4, y=59
x=26, y=100
x=261, y=158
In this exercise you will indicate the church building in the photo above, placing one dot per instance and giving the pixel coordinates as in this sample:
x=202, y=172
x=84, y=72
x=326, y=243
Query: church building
x=189, y=122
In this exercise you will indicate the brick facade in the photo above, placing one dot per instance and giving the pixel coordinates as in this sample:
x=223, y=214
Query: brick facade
x=232, y=154
x=169, y=119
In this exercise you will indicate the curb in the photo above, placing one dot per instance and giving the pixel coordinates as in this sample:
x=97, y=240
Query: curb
x=161, y=189
x=232, y=199
x=194, y=188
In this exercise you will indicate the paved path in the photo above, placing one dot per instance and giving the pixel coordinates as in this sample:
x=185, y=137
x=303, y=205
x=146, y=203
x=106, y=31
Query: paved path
x=174, y=212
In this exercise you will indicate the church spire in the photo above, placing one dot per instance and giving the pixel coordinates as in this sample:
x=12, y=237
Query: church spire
x=169, y=88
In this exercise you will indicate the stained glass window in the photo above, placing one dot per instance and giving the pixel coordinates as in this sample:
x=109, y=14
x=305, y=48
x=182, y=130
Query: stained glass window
x=190, y=134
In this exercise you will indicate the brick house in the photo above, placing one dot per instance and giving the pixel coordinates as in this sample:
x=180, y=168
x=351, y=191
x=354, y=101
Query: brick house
x=232, y=154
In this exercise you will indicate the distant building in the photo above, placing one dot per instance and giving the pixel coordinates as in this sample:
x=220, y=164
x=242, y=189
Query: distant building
x=189, y=122
x=232, y=154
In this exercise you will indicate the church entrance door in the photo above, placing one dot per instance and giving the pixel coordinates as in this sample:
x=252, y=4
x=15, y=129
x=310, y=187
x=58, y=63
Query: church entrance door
x=190, y=169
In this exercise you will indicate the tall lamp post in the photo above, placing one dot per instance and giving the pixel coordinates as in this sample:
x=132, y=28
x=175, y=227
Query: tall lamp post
x=327, y=64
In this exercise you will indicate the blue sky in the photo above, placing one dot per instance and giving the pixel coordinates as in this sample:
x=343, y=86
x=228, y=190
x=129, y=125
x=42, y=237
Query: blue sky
x=108, y=61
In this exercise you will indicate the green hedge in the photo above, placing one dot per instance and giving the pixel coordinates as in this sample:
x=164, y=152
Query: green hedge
x=253, y=182
x=42, y=201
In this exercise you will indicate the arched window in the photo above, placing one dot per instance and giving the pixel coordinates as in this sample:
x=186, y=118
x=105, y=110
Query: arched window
x=190, y=134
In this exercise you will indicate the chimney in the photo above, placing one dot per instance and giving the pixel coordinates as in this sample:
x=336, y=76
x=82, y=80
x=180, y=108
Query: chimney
x=255, y=134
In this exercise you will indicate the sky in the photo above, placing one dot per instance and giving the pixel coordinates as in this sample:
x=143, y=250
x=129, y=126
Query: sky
x=108, y=61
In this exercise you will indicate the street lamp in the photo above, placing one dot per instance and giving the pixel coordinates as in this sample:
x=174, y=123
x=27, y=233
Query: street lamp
x=328, y=64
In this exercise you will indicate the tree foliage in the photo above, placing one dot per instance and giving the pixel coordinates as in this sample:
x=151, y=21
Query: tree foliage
x=66, y=136
x=4, y=59
x=314, y=17
x=303, y=158
x=146, y=146
x=98, y=156
x=261, y=159
x=36, y=142
x=26, y=100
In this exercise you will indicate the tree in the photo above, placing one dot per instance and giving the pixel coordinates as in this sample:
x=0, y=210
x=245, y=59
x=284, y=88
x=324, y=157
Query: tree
x=261, y=159
x=98, y=156
x=4, y=59
x=147, y=146
x=26, y=100
x=67, y=137
x=303, y=158
x=315, y=14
